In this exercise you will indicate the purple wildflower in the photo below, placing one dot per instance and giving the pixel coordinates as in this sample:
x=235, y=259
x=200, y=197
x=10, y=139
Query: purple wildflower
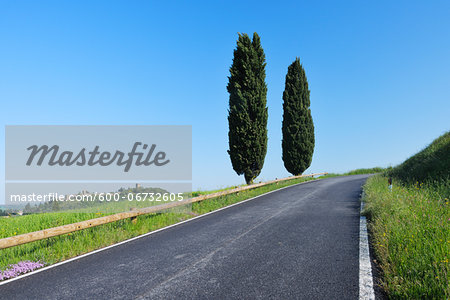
x=19, y=269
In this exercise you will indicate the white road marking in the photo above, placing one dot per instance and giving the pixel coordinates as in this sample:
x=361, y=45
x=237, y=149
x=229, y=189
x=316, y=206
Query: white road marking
x=365, y=269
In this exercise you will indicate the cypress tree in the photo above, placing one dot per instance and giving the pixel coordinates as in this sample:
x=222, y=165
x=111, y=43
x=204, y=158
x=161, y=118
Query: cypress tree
x=247, y=114
x=298, y=128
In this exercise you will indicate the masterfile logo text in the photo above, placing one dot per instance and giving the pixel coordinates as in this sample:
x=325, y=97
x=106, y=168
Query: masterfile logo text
x=91, y=158
x=98, y=152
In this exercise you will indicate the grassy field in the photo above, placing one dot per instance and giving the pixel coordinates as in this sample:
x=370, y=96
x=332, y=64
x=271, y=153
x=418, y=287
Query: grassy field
x=59, y=248
x=357, y=172
x=410, y=225
x=365, y=171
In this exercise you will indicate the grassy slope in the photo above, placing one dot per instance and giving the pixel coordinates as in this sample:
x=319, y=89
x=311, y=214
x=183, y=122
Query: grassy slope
x=432, y=164
x=410, y=224
x=365, y=171
x=357, y=172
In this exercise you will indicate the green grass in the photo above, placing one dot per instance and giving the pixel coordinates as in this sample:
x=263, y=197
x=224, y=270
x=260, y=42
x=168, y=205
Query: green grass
x=198, y=193
x=410, y=233
x=29, y=223
x=365, y=171
x=357, y=172
x=60, y=248
x=409, y=226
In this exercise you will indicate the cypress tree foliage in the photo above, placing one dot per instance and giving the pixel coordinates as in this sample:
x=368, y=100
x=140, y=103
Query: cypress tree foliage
x=247, y=114
x=298, y=127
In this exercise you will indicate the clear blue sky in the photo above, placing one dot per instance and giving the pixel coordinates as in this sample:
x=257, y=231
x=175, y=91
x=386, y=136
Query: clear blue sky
x=379, y=72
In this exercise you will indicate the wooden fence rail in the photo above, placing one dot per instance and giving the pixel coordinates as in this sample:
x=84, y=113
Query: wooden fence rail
x=64, y=229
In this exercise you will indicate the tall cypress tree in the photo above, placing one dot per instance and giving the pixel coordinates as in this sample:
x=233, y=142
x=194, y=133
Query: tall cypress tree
x=298, y=128
x=247, y=114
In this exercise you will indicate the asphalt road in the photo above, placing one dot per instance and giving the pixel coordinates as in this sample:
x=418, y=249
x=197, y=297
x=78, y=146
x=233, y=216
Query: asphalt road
x=298, y=243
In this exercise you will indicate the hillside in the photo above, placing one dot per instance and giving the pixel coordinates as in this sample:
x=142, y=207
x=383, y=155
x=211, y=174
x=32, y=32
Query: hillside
x=430, y=164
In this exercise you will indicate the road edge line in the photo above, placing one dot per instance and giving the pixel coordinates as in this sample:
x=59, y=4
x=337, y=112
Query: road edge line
x=366, y=290
x=145, y=235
